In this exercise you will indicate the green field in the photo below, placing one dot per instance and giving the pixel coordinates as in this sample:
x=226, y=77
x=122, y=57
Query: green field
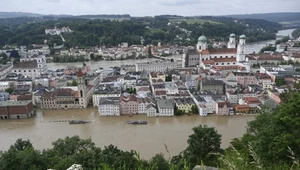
x=289, y=22
x=193, y=21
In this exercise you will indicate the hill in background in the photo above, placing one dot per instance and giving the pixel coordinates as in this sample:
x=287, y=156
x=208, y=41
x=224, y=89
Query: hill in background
x=275, y=17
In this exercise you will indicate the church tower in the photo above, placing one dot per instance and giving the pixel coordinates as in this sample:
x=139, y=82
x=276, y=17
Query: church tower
x=241, y=57
x=231, y=42
x=81, y=89
x=202, y=43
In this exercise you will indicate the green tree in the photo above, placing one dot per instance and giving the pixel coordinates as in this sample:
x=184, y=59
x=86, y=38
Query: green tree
x=267, y=48
x=195, y=109
x=203, y=146
x=149, y=52
x=21, y=156
x=9, y=90
x=271, y=134
x=169, y=78
x=179, y=112
x=158, y=162
x=73, y=83
x=92, y=56
x=131, y=90
x=280, y=81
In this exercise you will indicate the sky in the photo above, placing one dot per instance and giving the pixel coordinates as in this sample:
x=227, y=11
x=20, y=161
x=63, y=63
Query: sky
x=150, y=7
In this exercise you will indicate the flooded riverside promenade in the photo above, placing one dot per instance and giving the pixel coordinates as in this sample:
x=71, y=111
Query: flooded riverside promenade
x=50, y=125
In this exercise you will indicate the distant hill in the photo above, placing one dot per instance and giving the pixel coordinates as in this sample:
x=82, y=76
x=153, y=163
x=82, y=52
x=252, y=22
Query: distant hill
x=275, y=17
x=18, y=14
x=25, y=14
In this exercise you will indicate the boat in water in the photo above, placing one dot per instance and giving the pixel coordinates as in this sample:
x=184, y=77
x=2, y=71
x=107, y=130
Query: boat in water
x=71, y=122
x=137, y=122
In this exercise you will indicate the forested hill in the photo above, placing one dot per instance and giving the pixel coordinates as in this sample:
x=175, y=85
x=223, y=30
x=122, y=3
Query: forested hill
x=25, y=14
x=18, y=14
x=275, y=17
x=146, y=30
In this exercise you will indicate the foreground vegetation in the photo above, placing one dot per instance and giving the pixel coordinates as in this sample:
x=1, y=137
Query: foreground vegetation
x=271, y=143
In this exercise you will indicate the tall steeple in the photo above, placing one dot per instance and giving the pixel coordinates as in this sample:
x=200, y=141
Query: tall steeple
x=241, y=56
x=231, y=42
x=202, y=43
x=81, y=89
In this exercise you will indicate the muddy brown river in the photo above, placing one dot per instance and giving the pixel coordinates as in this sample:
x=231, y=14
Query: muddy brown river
x=147, y=139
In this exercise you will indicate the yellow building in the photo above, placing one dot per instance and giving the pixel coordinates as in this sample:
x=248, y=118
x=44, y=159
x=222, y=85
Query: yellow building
x=184, y=104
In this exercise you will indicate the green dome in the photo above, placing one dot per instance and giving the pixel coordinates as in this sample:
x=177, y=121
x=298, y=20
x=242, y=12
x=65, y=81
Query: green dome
x=232, y=35
x=243, y=36
x=202, y=38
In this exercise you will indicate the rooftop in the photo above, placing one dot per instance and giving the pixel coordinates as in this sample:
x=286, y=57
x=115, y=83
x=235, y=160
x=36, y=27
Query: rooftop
x=26, y=65
x=212, y=82
x=109, y=101
x=223, y=51
x=184, y=101
x=165, y=104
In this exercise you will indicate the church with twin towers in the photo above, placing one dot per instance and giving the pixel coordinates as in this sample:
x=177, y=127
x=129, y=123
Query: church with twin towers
x=233, y=57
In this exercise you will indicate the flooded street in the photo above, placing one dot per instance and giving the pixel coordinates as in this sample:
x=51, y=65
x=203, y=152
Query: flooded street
x=147, y=139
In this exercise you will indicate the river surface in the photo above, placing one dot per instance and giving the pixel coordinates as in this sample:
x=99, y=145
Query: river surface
x=257, y=46
x=147, y=139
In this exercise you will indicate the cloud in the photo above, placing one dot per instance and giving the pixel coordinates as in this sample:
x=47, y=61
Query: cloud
x=149, y=8
x=178, y=2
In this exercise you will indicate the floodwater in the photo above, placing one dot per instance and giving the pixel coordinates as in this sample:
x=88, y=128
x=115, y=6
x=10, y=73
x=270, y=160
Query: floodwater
x=148, y=139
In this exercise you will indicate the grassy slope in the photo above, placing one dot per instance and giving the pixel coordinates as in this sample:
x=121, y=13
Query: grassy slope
x=193, y=21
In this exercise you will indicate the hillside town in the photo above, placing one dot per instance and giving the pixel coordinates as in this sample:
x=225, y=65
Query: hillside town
x=220, y=80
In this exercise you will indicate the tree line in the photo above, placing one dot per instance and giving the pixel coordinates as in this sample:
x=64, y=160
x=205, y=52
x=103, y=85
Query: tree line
x=270, y=143
x=144, y=30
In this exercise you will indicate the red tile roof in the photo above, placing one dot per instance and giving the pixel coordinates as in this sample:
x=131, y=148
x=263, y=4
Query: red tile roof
x=242, y=106
x=128, y=98
x=218, y=68
x=224, y=59
x=204, y=52
x=24, y=97
x=223, y=51
x=251, y=100
x=209, y=62
x=26, y=64
x=80, y=73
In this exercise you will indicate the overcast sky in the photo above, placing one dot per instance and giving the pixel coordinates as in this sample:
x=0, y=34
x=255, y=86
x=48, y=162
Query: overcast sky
x=150, y=7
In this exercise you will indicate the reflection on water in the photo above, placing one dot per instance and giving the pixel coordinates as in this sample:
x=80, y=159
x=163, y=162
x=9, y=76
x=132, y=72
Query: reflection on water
x=147, y=139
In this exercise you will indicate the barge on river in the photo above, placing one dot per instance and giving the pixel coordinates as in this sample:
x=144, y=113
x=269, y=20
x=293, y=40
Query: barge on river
x=72, y=122
x=137, y=122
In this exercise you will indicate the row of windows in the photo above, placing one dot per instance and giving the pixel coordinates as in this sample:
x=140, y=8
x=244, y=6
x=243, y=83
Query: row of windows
x=224, y=64
x=222, y=57
x=24, y=71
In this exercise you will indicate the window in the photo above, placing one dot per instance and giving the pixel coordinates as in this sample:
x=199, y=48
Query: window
x=19, y=70
x=226, y=57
